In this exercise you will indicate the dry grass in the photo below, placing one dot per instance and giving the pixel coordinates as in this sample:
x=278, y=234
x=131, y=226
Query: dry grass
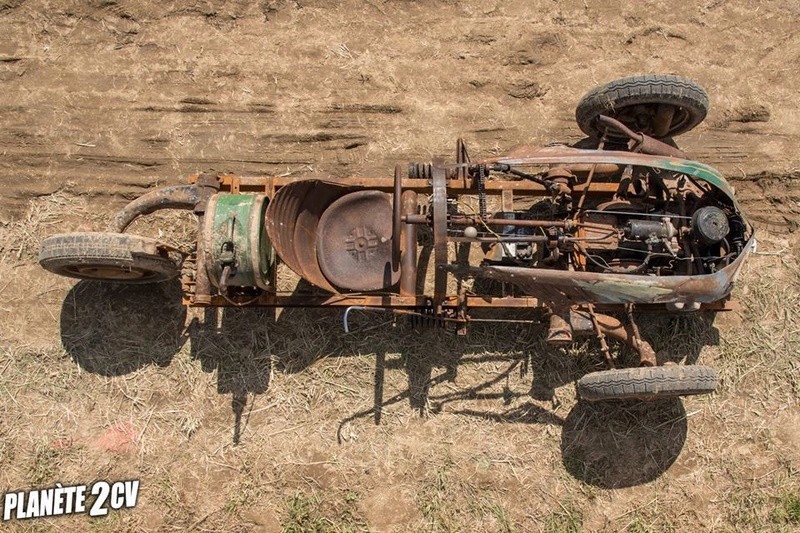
x=245, y=421
x=250, y=422
x=19, y=238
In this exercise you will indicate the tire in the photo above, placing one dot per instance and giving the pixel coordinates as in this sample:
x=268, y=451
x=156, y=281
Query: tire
x=115, y=257
x=647, y=383
x=634, y=101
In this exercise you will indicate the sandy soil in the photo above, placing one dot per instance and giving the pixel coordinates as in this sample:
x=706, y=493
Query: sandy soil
x=103, y=99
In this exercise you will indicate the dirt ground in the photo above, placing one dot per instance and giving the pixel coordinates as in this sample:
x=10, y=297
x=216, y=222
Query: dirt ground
x=244, y=421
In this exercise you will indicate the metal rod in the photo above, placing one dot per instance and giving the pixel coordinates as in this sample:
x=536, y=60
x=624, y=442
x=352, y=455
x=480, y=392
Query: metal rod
x=469, y=221
x=589, y=179
x=346, y=317
x=509, y=238
x=633, y=213
x=408, y=258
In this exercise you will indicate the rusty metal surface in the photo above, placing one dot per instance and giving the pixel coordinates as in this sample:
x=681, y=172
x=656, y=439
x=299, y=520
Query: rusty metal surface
x=641, y=142
x=305, y=232
x=612, y=327
x=465, y=186
x=567, y=156
x=233, y=225
x=559, y=330
x=176, y=197
x=397, y=213
x=281, y=218
x=606, y=291
x=292, y=220
x=408, y=258
x=439, y=234
x=577, y=288
x=467, y=220
x=354, y=242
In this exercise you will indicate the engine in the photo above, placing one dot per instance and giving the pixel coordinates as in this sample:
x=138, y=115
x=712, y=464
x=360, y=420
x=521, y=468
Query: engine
x=656, y=223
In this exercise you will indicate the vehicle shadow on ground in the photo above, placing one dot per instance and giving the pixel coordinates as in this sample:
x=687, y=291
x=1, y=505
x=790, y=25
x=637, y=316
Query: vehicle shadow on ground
x=234, y=343
x=611, y=444
x=112, y=330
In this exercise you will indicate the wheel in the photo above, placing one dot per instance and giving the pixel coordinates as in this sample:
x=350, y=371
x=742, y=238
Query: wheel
x=646, y=383
x=107, y=257
x=657, y=105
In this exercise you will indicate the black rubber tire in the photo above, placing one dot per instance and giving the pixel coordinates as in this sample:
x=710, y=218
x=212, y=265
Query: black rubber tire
x=117, y=257
x=616, y=97
x=647, y=383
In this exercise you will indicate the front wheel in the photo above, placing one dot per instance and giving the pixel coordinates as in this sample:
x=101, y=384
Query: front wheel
x=106, y=257
x=648, y=383
x=660, y=106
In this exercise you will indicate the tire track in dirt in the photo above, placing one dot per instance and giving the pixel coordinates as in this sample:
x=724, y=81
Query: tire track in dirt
x=771, y=201
x=118, y=96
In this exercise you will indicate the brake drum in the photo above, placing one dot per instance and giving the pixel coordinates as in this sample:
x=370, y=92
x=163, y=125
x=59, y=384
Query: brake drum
x=235, y=235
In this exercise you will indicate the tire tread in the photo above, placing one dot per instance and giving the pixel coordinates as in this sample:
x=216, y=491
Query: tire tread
x=648, y=382
x=119, y=250
x=639, y=89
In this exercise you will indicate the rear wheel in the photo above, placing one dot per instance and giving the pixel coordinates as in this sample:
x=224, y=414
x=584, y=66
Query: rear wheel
x=647, y=383
x=660, y=106
x=106, y=257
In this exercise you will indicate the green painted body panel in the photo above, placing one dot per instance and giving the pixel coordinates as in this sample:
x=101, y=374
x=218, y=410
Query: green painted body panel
x=557, y=156
x=239, y=218
x=699, y=171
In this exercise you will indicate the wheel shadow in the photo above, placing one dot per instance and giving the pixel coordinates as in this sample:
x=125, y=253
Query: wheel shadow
x=112, y=329
x=612, y=444
x=619, y=444
x=115, y=329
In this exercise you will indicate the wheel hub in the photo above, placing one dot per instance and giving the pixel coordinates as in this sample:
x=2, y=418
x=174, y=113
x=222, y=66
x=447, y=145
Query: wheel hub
x=106, y=272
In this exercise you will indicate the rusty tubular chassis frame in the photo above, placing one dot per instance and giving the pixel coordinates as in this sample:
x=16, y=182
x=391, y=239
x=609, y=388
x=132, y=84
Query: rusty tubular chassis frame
x=445, y=180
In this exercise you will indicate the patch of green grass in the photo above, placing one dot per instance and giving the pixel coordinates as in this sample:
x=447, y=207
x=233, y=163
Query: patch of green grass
x=243, y=495
x=504, y=524
x=304, y=515
x=448, y=503
x=788, y=509
x=743, y=509
x=650, y=524
x=308, y=514
x=434, y=503
x=46, y=461
x=568, y=518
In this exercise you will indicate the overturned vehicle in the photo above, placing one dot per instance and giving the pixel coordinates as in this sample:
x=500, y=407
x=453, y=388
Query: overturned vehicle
x=584, y=234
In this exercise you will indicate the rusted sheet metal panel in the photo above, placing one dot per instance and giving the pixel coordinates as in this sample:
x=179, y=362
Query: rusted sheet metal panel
x=235, y=237
x=577, y=288
x=567, y=155
x=333, y=235
x=305, y=232
x=292, y=219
